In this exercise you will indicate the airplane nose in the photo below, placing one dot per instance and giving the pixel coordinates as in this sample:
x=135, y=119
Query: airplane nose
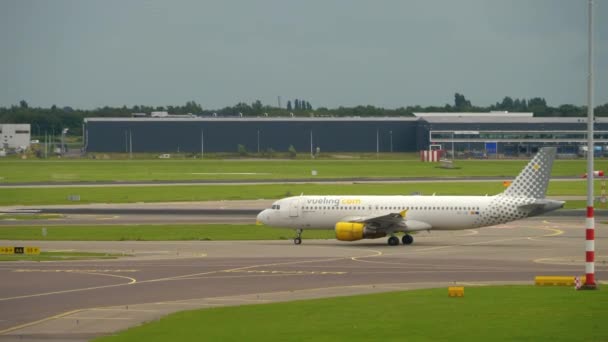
x=261, y=218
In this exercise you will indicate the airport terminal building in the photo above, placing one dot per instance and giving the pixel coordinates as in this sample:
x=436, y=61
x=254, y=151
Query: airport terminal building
x=496, y=133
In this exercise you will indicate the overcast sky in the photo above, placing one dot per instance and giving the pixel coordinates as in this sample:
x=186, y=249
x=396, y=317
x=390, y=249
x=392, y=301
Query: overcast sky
x=88, y=54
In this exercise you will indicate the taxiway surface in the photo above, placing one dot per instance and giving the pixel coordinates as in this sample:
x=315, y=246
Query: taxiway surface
x=79, y=300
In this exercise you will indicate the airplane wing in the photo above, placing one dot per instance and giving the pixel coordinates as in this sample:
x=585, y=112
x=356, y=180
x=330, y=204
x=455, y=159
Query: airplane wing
x=392, y=222
x=378, y=221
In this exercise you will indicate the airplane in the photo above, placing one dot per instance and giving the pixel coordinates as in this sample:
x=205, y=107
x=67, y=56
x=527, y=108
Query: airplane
x=370, y=217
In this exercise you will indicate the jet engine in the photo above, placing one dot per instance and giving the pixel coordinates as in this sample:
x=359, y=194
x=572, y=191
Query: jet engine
x=351, y=231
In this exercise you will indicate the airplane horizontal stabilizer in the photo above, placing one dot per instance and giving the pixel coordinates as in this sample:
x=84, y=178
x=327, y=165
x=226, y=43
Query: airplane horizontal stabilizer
x=541, y=206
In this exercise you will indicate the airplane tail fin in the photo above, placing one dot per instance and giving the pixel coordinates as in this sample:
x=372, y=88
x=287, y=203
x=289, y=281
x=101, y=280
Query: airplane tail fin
x=533, y=180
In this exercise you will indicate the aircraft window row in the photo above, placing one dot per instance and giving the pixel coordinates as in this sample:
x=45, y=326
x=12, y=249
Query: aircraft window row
x=333, y=208
x=445, y=208
x=384, y=208
x=276, y=206
x=427, y=208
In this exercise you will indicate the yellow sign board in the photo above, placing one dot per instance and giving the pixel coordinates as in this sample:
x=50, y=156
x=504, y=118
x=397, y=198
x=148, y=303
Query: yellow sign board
x=456, y=291
x=20, y=250
x=32, y=250
x=7, y=250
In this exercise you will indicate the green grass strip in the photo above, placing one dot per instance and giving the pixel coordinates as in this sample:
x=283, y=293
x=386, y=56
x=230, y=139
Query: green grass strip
x=109, y=194
x=58, y=256
x=211, y=232
x=139, y=170
x=505, y=313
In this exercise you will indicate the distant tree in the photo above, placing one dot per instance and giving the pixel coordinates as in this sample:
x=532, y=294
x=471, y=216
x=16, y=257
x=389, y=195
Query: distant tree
x=601, y=110
x=23, y=104
x=191, y=107
x=538, y=106
x=516, y=105
x=537, y=102
x=507, y=103
x=461, y=103
x=289, y=106
x=296, y=104
x=257, y=107
x=570, y=110
x=524, y=106
x=308, y=106
x=242, y=108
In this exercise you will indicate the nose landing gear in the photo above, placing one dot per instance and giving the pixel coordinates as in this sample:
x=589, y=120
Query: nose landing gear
x=298, y=239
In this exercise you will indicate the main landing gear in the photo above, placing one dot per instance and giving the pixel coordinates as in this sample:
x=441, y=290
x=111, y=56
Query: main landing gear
x=407, y=239
x=298, y=238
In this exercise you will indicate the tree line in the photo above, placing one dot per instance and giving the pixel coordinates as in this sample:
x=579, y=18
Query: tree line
x=52, y=120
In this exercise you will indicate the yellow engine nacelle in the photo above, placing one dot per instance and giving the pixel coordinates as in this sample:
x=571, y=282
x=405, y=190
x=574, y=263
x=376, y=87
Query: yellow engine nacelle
x=350, y=231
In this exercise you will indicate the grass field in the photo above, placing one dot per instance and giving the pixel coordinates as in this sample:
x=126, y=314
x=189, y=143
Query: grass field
x=59, y=256
x=12, y=171
x=156, y=233
x=108, y=194
x=505, y=313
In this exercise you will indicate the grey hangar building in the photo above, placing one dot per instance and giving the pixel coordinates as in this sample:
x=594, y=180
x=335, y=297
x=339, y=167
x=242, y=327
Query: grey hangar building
x=510, y=133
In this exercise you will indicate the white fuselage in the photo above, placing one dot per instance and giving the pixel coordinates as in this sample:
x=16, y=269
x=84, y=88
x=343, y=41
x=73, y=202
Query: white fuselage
x=323, y=212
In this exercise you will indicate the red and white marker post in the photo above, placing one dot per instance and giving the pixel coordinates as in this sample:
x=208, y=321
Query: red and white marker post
x=590, y=239
x=589, y=250
x=590, y=220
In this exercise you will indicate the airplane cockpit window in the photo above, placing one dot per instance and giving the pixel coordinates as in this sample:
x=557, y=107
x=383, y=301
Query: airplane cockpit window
x=275, y=207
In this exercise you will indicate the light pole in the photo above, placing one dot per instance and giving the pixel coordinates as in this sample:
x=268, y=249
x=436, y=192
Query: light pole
x=312, y=156
x=453, y=156
x=377, y=142
x=63, y=133
x=590, y=221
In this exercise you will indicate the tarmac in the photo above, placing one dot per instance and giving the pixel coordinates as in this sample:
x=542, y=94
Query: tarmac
x=81, y=300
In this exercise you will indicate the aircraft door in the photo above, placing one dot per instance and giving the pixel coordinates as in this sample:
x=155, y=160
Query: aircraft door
x=374, y=209
x=294, y=207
